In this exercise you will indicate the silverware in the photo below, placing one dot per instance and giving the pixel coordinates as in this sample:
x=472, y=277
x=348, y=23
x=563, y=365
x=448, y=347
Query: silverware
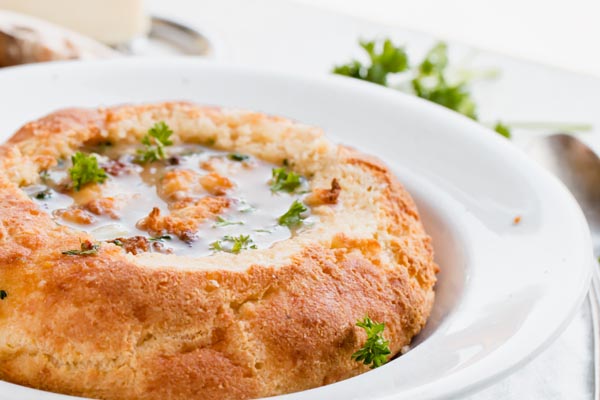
x=167, y=36
x=578, y=167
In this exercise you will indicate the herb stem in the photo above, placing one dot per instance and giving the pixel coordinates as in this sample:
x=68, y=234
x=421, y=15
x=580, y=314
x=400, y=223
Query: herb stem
x=554, y=126
x=467, y=74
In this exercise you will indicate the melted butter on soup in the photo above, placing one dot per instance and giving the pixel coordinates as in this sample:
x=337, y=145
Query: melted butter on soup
x=195, y=202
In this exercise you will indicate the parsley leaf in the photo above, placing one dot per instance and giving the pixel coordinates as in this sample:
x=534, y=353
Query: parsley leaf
x=85, y=170
x=154, y=143
x=44, y=176
x=87, y=249
x=223, y=222
x=238, y=243
x=502, y=129
x=160, y=238
x=353, y=69
x=376, y=349
x=284, y=180
x=245, y=207
x=293, y=217
x=455, y=97
x=436, y=60
x=43, y=194
x=116, y=242
x=431, y=83
x=238, y=157
x=263, y=230
x=386, y=58
x=216, y=246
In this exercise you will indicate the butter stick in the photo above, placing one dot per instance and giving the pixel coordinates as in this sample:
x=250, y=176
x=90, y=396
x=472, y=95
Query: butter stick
x=109, y=21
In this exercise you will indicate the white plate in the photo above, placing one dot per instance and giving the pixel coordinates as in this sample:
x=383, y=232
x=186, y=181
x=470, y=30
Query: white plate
x=505, y=290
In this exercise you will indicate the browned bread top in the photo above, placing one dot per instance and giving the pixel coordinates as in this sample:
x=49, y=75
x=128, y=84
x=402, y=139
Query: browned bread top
x=123, y=324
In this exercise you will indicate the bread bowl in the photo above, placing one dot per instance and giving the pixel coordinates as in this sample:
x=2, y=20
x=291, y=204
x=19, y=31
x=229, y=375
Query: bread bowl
x=177, y=318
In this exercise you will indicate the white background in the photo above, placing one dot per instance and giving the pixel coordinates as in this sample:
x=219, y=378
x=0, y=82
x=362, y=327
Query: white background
x=562, y=33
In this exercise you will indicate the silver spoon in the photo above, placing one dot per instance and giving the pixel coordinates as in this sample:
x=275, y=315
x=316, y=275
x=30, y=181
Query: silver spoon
x=578, y=167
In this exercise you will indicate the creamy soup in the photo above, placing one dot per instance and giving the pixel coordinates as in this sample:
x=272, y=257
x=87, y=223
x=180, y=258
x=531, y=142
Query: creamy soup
x=195, y=201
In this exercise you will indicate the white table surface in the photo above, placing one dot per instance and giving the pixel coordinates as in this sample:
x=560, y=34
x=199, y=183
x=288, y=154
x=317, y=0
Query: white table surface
x=563, y=33
x=284, y=35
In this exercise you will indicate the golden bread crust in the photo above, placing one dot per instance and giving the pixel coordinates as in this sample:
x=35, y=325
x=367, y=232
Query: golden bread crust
x=111, y=326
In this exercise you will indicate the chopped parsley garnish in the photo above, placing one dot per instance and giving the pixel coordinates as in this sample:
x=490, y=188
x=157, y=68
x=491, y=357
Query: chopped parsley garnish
x=216, y=246
x=284, y=180
x=44, y=176
x=85, y=170
x=238, y=157
x=245, y=207
x=155, y=141
x=502, y=129
x=160, y=238
x=293, y=217
x=386, y=58
x=263, y=230
x=117, y=242
x=87, y=249
x=221, y=222
x=233, y=244
x=43, y=194
x=376, y=349
x=3, y=294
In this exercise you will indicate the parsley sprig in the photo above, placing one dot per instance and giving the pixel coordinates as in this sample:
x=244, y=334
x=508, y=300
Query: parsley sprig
x=85, y=170
x=233, y=244
x=293, y=217
x=155, y=141
x=386, y=58
x=87, y=249
x=221, y=222
x=430, y=79
x=285, y=181
x=376, y=349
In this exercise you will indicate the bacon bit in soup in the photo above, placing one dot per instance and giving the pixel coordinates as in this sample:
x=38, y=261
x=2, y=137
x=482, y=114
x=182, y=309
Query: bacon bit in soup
x=325, y=196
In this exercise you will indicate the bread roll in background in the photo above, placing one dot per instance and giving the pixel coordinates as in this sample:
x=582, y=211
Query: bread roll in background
x=25, y=39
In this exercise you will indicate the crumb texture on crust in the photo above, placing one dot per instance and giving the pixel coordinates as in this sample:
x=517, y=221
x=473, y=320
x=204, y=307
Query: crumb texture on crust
x=259, y=323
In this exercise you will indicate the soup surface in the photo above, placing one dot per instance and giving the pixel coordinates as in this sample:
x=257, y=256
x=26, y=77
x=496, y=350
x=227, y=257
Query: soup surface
x=192, y=201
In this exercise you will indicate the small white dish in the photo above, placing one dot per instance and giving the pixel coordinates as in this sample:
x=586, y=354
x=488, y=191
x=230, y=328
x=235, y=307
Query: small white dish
x=506, y=289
